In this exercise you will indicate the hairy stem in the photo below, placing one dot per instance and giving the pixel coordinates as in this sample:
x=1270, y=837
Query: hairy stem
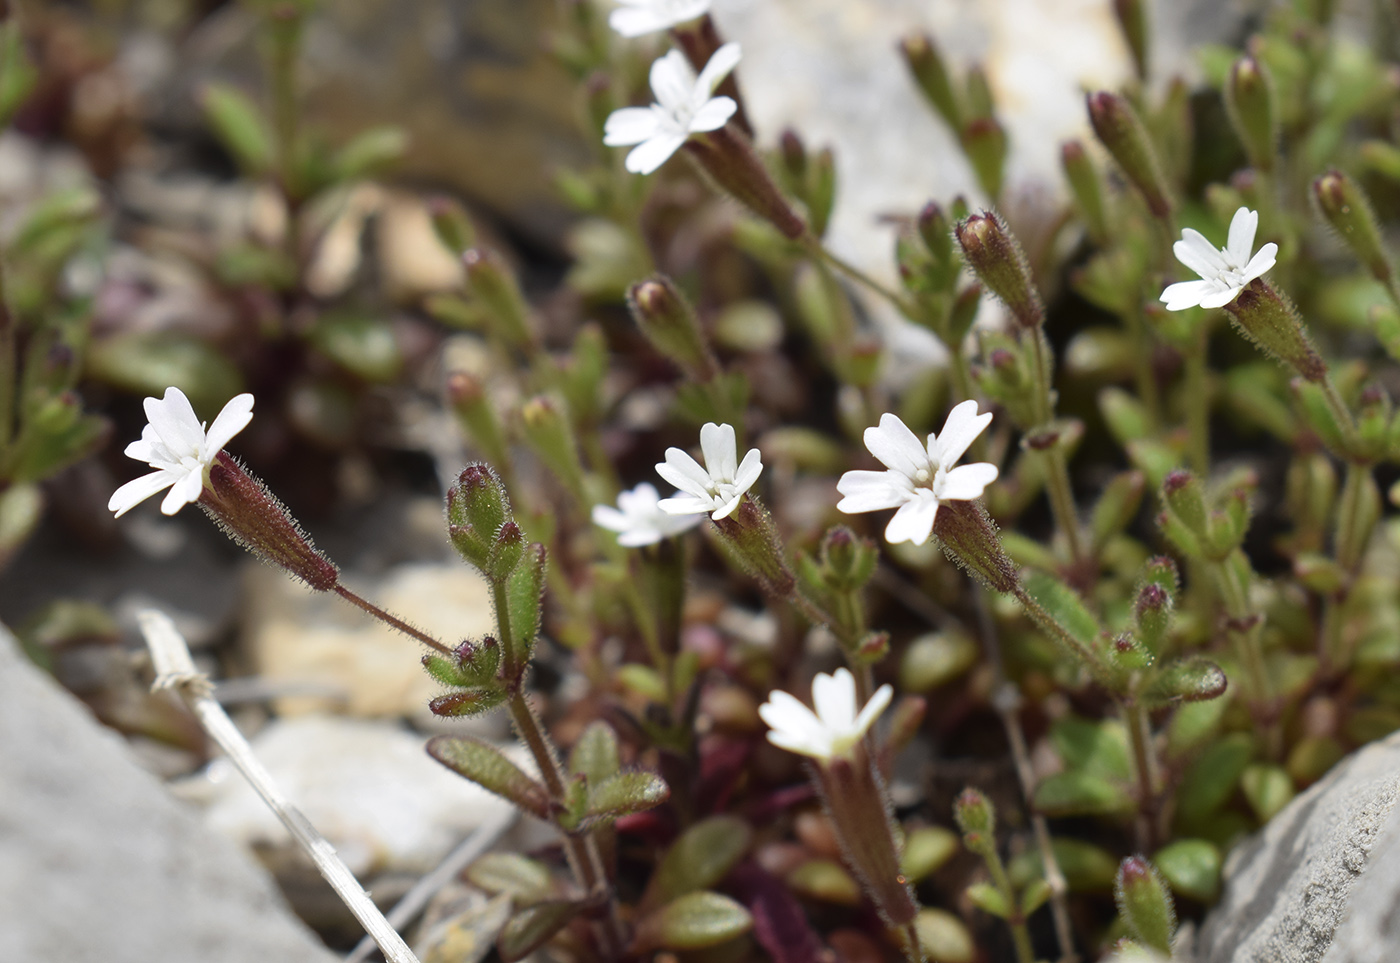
x=392, y=621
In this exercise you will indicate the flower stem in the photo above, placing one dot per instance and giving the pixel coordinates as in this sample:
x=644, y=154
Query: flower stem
x=392, y=621
x=1139, y=726
x=1339, y=410
x=1198, y=404
x=1057, y=483
x=1062, y=635
x=900, y=303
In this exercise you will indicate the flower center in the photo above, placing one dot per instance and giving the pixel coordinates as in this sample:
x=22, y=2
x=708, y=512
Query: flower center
x=923, y=476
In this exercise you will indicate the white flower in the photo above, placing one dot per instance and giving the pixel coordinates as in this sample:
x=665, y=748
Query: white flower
x=718, y=486
x=834, y=729
x=176, y=445
x=639, y=520
x=1224, y=272
x=637, y=18
x=919, y=477
x=683, y=107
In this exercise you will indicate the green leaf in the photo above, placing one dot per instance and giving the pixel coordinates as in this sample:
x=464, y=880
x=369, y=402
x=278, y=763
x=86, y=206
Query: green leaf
x=692, y=922
x=936, y=659
x=525, y=599
x=825, y=880
x=1036, y=895
x=1187, y=680
x=1096, y=748
x=623, y=794
x=1193, y=724
x=989, y=899
x=595, y=755
x=1145, y=903
x=1081, y=794
x=1065, y=606
x=1211, y=779
x=147, y=364
x=1192, y=867
x=525, y=880
x=532, y=927
x=1268, y=787
x=360, y=344
x=1086, y=867
x=700, y=857
x=21, y=509
x=926, y=850
x=943, y=937
x=369, y=153
x=484, y=765
x=240, y=127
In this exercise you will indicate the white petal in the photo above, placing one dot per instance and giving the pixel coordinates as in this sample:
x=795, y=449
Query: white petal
x=149, y=447
x=1198, y=254
x=1221, y=298
x=914, y=520
x=897, y=448
x=783, y=712
x=815, y=746
x=136, y=491
x=1242, y=228
x=686, y=505
x=713, y=115
x=233, y=419
x=636, y=22
x=669, y=525
x=872, y=709
x=184, y=492
x=749, y=470
x=1186, y=294
x=721, y=63
x=605, y=516
x=1262, y=262
x=726, y=507
x=961, y=429
x=638, y=536
x=721, y=450
x=966, y=482
x=175, y=422
x=872, y=491
x=672, y=81
x=685, y=473
x=630, y=125
x=652, y=153
x=834, y=698
x=639, y=500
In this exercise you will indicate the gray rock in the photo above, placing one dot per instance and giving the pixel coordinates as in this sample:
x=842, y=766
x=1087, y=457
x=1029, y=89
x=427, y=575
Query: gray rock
x=1370, y=932
x=1290, y=886
x=98, y=862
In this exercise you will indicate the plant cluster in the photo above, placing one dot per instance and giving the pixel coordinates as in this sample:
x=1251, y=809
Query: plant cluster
x=1141, y=573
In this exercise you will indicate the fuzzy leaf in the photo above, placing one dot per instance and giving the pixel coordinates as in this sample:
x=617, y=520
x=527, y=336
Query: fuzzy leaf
x=1211, y=779
x=692, y=922
x=700, y=857
x=526, y=880
x=1096, y=748
x=1081, y=794
x=926, y=850
x=1192, y=867
x=1065, y=606
x=532, y=927
x=989, y=899
x=484, y=765
x=595, y=754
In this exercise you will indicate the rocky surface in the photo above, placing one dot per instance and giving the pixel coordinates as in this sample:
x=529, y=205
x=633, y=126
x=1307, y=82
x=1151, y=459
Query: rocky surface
x=1319, y=870
x=99, y=864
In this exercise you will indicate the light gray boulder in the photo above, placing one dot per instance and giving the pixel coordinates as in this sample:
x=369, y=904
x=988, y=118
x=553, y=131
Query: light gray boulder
x=100, y=864
x=1323, y=874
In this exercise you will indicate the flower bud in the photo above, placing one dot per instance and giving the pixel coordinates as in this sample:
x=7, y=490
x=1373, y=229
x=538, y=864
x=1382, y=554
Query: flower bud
x=979, y=103
x=1347, y=209
x=495, y=285
x=992, y=251
x=1145, y=903
x=1152, y=611
x=1085, y=185
x=931, y=74
x=821, y=190
x=794, y=155
x=1249, y=99
x=1132, y=19
x=976, y=818
x=848, y=560
x=1185, y=499
x=548, y=431
x=1120, y=130
x=732, y=163
x=466, y=396
x=252, y=516
x=984, y=143
x=477, y=506
x=969, y=538
x=668, y=322
x=452, y=225
x=1272, y=323
x=937, y=235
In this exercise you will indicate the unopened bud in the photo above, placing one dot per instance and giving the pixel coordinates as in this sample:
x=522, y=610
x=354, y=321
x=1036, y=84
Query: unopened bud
x=976, y=818
x=1249, y=98
x=931, y=74
x=1152, y=611
x=731, y=162
x=1186, y=500
x=667, y=321
x=992, y=251
x=1272, y=323
x=984, y=142
x=979, y=101
x=252, y=516
x=1132, y=19
x=794, y=155
x=1120, y=130
x=1145, y=903
x=550, y=433
x=849, y=559
x=1087, y=188
x=821, y=190
x=452, y=225
x=466, y=396
x=495, y=284
x=936, y=233
x=477, y=506
x=1347, y=209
